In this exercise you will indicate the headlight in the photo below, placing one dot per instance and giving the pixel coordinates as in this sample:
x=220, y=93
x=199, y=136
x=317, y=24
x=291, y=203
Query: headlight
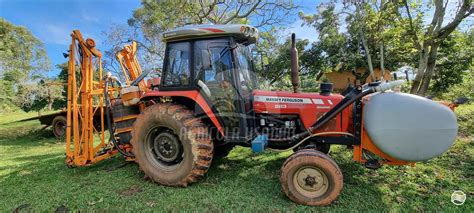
x=247, y=31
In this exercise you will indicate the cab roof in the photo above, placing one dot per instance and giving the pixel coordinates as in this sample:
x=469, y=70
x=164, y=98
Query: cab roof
x=241, y=32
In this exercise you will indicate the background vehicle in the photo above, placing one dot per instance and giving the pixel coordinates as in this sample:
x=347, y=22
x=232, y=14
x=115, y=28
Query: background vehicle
x=207, y=101
x=58, y=122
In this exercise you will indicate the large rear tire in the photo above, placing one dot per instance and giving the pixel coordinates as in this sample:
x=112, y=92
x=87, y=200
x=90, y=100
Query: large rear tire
x=310, y=177
x=171, y=146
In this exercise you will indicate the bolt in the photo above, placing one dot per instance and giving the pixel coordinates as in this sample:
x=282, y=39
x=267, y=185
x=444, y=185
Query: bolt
x=310, y=181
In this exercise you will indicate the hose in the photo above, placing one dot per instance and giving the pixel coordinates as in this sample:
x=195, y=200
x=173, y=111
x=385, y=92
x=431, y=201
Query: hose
x=140, y=78
x=107, y=117
x=350, y=98
x=313, y=135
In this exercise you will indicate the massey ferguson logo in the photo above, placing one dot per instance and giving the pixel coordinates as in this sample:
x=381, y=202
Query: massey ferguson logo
x=275, y=99
x=290, y=100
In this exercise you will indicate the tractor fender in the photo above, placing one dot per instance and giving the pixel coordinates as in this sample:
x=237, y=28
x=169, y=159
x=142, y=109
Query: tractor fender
x=193, y=96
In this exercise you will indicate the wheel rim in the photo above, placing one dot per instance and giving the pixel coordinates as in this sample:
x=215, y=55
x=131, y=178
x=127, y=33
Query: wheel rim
x=310, y=181
x=59, y=128
x=164, y=149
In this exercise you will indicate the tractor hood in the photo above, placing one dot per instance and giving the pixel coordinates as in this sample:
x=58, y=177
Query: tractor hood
x=306, y=105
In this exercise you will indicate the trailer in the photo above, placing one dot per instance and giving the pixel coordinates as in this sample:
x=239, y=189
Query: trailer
x=58, y=122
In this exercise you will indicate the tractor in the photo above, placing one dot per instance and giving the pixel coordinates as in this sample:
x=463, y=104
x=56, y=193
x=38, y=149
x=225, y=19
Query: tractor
x=207, y=101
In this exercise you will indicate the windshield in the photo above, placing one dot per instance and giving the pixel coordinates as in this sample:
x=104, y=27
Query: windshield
x=245, y=67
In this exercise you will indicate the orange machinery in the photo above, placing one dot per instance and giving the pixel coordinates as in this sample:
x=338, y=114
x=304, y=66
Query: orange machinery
x=87, y=144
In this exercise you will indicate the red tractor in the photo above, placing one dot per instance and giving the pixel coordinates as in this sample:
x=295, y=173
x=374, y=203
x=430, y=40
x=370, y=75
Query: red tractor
x=206, y=102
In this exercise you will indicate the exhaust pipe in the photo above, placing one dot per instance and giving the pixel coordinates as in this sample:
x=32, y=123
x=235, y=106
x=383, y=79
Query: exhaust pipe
x=295, y=79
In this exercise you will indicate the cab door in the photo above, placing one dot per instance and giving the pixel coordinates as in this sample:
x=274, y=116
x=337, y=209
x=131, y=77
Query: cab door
x=214, y=68
x=246, y=83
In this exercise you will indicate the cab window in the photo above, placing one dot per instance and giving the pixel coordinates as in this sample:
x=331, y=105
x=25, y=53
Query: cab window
x=218, y=55
x=178, y=65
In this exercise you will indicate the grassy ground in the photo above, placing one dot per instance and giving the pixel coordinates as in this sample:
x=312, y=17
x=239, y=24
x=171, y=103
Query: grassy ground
x=33, y=176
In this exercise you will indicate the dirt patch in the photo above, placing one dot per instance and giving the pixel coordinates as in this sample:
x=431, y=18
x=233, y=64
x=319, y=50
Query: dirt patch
x=61, y=209
x=130, y=191
x=22, y=207
x=115, y=167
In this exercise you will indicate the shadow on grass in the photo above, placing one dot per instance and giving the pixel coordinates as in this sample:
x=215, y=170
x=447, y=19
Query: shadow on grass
x=25, y=136
x=242, y=181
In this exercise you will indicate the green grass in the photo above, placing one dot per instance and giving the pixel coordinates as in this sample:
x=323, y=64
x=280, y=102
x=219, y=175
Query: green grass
x=33, y=177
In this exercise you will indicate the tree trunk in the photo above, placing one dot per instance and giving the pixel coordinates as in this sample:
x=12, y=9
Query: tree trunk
x=50, y=105
x=320, y=74
x=382, y=67
x=431, y=63
x=367, y=53
x=422, y=63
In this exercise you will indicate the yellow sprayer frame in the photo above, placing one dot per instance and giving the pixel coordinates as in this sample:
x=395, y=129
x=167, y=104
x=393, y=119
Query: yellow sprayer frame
x=86, y=103
x=127, y=58
x=85, y=99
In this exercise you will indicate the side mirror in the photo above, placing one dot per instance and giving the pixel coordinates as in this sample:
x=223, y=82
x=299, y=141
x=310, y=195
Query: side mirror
x=461, y=100
x=206, y=60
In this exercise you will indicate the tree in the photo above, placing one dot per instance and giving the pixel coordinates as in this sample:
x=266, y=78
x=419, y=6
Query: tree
x=360, y=34
x=37, y=96
x=21, y=54
x=434, y=33
x=330, y=52
x=155, y=17
x=22, y=58
x=279, y=63
x=454, y=61
x=62, y=79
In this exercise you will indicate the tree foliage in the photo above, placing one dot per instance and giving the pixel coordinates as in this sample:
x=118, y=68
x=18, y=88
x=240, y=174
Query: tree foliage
x=23, y=60
x=35, y=96
x=155, y=17
x=454, y=61
x=359, y=34
x=21, y=53
x=428, y=38
x=279, y=63
x=385, y=34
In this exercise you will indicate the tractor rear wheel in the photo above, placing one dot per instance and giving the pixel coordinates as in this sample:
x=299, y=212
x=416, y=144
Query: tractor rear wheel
x=171, y=146
x=310, y=177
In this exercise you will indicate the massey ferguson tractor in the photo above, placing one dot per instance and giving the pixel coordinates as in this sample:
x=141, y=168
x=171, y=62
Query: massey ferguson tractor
x=207, y=101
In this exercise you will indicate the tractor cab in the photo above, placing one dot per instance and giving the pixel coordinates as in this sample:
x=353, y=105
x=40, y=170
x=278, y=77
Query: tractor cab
x=216, y=61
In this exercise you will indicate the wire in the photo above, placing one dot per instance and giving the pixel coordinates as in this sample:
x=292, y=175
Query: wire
x=313, y=135
x=109, y=123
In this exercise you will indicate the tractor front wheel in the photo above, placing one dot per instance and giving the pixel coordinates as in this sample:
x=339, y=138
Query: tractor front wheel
x=310, y=177
x=171, y=146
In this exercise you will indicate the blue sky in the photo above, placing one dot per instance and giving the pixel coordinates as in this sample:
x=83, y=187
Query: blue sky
x=52, y=21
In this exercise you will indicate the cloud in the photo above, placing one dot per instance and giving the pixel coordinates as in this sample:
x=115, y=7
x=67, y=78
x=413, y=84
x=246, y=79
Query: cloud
x=55, y=34
x=87, y=17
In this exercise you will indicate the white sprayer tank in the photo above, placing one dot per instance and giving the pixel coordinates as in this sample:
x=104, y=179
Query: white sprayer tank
x=408, y=127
